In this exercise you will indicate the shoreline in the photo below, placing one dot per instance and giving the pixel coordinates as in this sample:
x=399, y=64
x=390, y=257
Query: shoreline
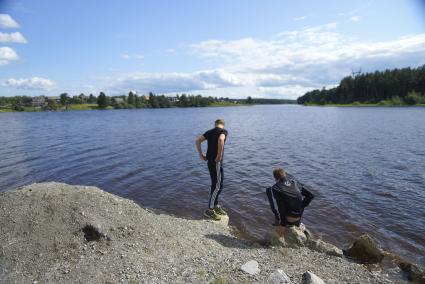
x=52, y=218
x=362, y=105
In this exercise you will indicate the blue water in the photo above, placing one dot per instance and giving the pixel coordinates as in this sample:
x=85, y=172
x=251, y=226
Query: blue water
x=366, y=165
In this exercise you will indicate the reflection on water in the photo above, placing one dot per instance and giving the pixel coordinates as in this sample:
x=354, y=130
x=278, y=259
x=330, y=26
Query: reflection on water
x=365, y=165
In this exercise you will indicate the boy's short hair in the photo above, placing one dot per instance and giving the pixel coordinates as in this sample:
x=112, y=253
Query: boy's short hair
x=279, y=173
x=219, y=121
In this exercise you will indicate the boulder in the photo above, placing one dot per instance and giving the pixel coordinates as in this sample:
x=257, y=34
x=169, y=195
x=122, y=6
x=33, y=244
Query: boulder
x=324, y=247
x=294, y=237
x=414, y=272
x=365, y=250
x=279, y=277
x=251, y=267
x=311, y=278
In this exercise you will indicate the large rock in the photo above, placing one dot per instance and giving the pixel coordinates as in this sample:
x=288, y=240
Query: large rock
x=296, y=237
x=279, y=277
x=251, y=267
x=293, y=237
x=414, y=272
x=365, y=250
x=311, y=278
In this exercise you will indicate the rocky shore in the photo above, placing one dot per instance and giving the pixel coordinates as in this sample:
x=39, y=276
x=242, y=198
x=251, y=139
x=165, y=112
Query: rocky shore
x=58, y=233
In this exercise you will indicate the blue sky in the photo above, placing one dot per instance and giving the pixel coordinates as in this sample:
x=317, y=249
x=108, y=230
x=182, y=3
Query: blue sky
x=270, y=48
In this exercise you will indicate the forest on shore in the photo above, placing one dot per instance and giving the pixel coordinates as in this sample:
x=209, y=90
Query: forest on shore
x=394, y=87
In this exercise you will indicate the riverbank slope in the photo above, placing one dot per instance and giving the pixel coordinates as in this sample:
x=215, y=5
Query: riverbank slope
x=58, y=233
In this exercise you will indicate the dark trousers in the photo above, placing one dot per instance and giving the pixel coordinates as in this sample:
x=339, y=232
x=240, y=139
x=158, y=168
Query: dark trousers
x=216, y=174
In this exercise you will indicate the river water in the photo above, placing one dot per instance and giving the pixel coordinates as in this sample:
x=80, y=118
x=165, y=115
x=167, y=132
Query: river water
x=365, y=165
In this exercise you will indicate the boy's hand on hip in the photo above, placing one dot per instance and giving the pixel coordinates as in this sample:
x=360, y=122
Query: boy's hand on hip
x=203, y=157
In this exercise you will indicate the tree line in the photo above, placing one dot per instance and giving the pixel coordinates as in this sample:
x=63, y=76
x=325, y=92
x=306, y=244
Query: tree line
x=130, y=101
x=404, y=86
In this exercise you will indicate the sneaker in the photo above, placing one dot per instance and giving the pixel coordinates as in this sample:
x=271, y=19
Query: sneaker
x=210, y=213
x=220, y=211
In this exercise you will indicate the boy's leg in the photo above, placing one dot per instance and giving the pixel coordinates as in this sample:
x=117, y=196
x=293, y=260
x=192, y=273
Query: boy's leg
x=219, y=181
x=215, y=187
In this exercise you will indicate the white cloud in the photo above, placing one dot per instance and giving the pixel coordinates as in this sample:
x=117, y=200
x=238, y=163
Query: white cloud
x=288, y=64
x=299, y=18
x=7, y=54
x=15, y=37
x=354, y=19
x=6, y=21
x=131, y=56
x=34, y=83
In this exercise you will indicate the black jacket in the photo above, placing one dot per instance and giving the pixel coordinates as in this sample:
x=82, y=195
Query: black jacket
x=291, y=198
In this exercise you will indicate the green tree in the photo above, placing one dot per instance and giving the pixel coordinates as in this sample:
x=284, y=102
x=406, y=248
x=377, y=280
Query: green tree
x=51, y=105
x=249, y=100
x=64, y=99
x=102, y=100
x=131, y=99
x=92, y=99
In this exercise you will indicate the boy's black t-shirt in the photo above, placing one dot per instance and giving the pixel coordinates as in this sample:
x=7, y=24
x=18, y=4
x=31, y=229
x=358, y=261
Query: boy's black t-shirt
x=212, y=138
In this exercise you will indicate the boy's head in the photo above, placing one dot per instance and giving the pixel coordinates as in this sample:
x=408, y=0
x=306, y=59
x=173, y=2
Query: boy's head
x=279, y=174
x=219, y=123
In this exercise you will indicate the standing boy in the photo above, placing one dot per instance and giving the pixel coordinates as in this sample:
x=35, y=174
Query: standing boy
x=216, y=138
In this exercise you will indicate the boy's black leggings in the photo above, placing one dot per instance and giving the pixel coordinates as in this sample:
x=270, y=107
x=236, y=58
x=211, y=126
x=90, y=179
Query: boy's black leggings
x=216, y=174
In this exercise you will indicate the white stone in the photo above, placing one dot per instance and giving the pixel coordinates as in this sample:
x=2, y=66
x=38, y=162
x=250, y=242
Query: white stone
x=311, y=278
x=251, y=267
x=279, y=277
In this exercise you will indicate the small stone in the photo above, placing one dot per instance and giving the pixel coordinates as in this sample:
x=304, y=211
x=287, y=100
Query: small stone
x=279, y=277
x=311, y=278
x=251, y=267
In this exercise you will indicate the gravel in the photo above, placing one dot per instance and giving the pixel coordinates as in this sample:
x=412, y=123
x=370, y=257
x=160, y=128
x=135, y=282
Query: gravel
x=59, y=233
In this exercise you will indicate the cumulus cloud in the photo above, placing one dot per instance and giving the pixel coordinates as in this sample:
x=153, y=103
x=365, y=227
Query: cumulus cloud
x=15, y=37
x=7, y=54
x=288, y=64
x=6, y=21
x=34, y=83
x=310, y=57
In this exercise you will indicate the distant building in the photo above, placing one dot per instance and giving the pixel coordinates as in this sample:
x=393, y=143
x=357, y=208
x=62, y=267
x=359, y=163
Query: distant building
x=38, y=101
x=173, y=99
x=119, y=100
x=146, y=97
x=54, y=98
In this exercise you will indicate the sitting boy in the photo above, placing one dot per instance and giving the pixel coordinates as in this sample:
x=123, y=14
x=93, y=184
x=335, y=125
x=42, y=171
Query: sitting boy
x=287, y=198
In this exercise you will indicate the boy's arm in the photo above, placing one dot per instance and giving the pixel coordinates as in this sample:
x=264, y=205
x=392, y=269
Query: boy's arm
x=198, y=142
x=220, y=148
x=308, y=196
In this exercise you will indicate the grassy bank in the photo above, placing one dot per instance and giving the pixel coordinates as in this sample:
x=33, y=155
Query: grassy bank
x=363, y=105
x=222, y=104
